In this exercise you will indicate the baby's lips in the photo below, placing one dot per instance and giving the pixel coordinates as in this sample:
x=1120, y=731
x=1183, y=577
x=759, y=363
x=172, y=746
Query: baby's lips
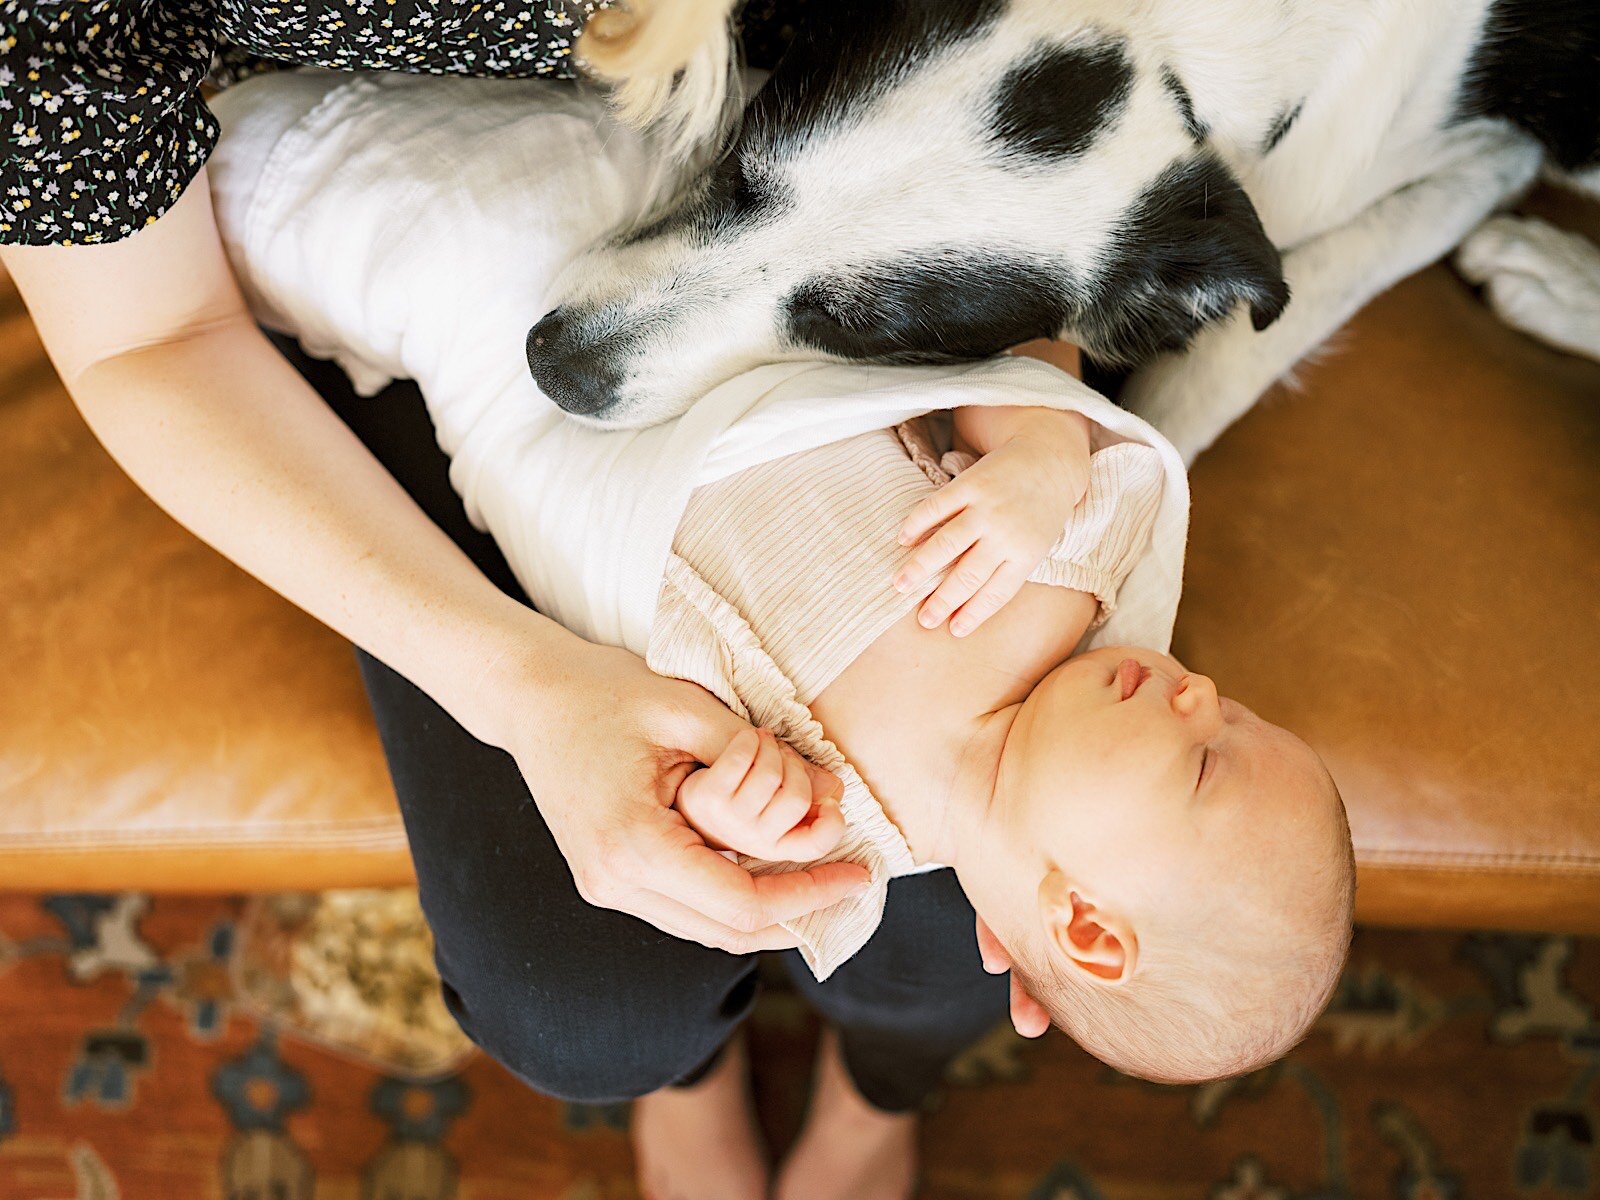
x=1130, y=674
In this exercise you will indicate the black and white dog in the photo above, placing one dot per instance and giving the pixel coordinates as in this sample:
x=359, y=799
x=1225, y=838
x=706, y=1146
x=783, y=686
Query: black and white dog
x=1203, y=190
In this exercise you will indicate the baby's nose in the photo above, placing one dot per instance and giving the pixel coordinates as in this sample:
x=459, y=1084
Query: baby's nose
x=1196, y=696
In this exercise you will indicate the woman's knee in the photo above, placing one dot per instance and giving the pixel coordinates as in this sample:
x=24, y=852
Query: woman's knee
x=605, y=1063
x=591, y=1040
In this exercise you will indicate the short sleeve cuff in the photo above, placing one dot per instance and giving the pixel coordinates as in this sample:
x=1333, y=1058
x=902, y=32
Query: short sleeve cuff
x=53, y=197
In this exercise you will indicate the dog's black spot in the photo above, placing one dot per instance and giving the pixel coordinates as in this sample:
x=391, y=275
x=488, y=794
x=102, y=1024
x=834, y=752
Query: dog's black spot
x=848, y=52
x=1185, y=102
x=1538, y=66
x=1279, y=129
x=1052, y=104
x=943, y=306
x=1188, y=252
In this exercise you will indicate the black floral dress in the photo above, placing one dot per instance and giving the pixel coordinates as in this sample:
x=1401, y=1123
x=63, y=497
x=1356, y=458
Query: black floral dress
x=102, y=122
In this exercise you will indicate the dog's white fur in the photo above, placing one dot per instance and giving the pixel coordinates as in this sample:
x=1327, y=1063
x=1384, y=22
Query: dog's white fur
x=1193, y=396
x=1372, y=181
x=1539, y=279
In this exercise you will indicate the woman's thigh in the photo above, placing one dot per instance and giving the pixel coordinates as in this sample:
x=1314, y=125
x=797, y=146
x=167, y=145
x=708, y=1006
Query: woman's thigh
x=914, y=997
x=582, y=1002
x=921, y=966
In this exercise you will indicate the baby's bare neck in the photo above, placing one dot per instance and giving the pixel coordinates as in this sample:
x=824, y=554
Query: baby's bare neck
x=908, y=713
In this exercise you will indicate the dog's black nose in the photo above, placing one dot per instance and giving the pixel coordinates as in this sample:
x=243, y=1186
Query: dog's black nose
x=570, y=368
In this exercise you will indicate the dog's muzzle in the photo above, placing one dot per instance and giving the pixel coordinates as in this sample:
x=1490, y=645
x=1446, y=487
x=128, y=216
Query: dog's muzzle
x=570, y=367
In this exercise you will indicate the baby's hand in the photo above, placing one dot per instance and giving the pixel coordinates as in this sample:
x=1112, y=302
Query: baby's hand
x=994, y=523
x=758, y=798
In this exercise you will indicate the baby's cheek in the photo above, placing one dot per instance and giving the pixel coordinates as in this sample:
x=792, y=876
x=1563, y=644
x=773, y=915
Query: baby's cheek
x=1141, y=826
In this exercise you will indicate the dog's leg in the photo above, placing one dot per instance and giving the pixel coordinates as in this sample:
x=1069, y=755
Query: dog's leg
x=1192, y=397
x=1539, y=279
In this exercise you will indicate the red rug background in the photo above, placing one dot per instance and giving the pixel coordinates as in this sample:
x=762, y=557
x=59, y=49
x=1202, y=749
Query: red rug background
x=1451, y=1066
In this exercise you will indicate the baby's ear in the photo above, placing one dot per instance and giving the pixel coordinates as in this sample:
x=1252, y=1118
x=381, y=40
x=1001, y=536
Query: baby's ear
x=1096, y=940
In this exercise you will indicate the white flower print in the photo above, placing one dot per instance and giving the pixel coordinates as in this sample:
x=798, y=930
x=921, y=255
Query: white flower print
x=113, y=86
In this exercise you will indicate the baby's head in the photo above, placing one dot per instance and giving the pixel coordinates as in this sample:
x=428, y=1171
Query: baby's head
x=1171, y=874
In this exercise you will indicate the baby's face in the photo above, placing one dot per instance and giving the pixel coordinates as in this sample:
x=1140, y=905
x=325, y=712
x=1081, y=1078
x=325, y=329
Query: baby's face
x=1136, y=781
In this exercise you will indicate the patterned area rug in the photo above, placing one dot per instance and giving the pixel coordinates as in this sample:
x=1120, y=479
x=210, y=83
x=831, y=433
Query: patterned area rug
x=1451, y=1067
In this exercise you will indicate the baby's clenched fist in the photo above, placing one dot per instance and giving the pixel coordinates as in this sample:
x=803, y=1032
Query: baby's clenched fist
x=758, y=798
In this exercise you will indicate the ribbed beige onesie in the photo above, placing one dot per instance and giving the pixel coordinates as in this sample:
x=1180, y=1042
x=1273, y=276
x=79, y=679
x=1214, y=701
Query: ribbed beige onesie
x=779, y=579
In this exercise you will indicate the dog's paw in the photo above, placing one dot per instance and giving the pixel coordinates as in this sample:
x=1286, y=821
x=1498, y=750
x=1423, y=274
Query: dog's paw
x=1539, y=279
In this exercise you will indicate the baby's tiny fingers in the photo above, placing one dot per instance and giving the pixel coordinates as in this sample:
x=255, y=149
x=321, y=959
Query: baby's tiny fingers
x=816, y=838
x=824, y=783
x=972, y=571
x=938, y=552
x=763, y=779
x=786, y=812
x=731, y=766
x=1003, y=585
x=929, y=512
x=791, y=802
x=705, y=809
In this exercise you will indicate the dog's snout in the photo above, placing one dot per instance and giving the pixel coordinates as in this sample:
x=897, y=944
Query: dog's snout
x=569, y=367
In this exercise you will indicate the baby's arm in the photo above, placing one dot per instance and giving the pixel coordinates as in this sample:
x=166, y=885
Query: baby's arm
x=991, y=525
x=756, y=798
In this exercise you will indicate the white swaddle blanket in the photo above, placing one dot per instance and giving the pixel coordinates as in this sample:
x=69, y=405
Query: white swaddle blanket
x=410, y=227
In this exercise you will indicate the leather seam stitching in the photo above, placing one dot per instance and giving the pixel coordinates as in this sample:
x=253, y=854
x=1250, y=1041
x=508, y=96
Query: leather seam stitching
x=1486, y=865
x=1472, y=855
x=332, y=837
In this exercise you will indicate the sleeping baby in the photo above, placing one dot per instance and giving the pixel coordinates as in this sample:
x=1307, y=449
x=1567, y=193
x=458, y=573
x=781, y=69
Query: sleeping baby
x=952, y=586
x=1171, y=873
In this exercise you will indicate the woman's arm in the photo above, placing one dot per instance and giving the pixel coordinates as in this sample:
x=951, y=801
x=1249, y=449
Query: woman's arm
x=153, y=340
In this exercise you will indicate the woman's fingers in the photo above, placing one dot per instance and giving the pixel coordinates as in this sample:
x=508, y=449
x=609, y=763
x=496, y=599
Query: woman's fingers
x=996, y=960
x=1028, y=1016
x=678, y=919
x=1005, y=583
x=703, y=880
x=972, y=571
x=942, y=548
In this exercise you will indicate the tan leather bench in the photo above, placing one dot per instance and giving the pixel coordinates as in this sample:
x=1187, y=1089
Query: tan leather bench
x=1400, y=560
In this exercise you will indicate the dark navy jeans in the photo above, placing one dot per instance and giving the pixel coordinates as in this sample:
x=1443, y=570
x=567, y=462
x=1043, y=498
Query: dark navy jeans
x=588, y=1004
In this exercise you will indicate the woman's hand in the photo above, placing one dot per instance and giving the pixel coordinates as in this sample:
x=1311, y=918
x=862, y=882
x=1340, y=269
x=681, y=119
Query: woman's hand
x=991, y=525
x=1028, y=1016
x=605, y=744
